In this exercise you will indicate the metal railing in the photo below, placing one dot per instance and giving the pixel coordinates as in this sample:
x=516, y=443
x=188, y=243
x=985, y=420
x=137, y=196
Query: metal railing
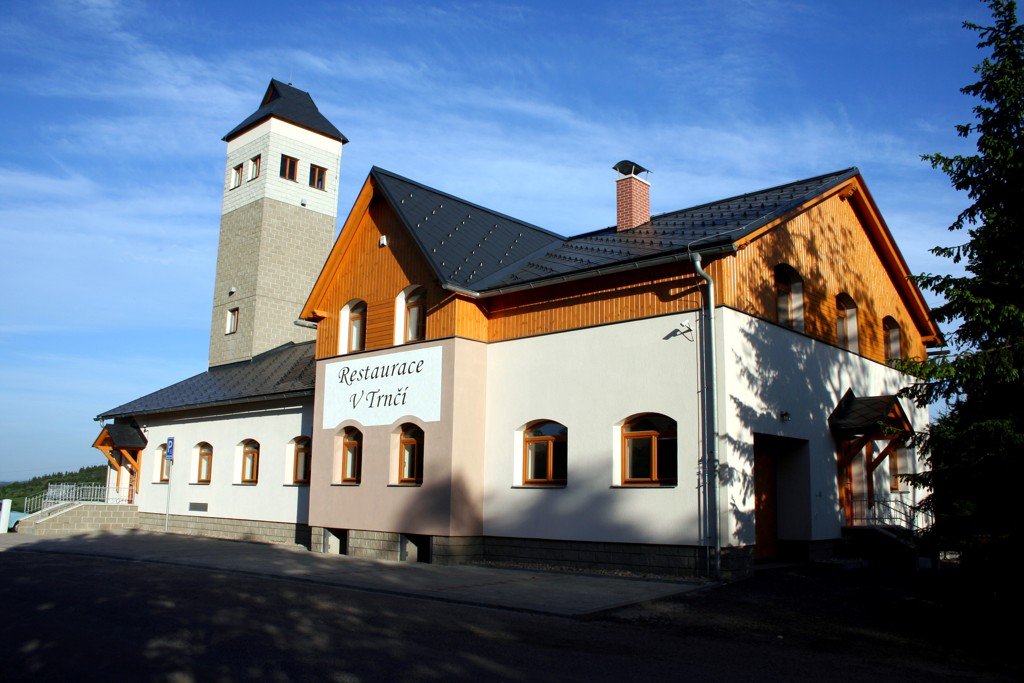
x=56, y=494
x=887, y=511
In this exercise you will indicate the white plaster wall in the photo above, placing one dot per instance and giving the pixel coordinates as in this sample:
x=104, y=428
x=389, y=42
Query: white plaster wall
x=271, y=139
x=591, y=380
x=768, y=369
x=273, y=498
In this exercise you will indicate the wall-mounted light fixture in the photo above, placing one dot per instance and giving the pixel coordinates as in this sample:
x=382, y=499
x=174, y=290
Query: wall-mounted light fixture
x=784, y=416
x=231, y=291
x=383, y=241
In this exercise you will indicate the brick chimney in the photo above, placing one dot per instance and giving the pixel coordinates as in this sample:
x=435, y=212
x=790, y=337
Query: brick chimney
x=632, y=196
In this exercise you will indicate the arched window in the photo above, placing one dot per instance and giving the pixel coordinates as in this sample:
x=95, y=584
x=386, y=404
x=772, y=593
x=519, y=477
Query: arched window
x=891, y=333
x=352, y=327
x=250, y=462
x=205, y=469
x=649, y=450
x=303, y=460
x=351, y=456
x=410, y=455
x=545, y=449
x=164, y=465
x=789, y=297
x=416, y=315
x=846, y=323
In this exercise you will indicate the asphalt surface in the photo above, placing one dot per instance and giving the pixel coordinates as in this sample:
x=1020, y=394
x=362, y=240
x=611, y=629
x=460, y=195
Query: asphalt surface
x=530, y=591
x=68, y=615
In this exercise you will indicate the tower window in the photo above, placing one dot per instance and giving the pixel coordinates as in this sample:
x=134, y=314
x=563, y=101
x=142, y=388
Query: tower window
x=254, y=166
x=289, y=167
x=231, y=326
x=317, y=177
x=236, y=176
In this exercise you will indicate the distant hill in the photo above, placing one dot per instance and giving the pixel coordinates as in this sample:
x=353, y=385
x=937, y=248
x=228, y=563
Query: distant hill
x=17, y=491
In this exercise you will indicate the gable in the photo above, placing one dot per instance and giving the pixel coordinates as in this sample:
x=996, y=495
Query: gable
x=360, y=268
x=837, y=245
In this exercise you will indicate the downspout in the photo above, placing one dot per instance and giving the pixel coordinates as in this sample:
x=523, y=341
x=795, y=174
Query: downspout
x=711, y=440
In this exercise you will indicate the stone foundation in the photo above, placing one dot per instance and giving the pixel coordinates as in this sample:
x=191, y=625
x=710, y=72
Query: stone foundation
x=232, y=529
x=660, y=560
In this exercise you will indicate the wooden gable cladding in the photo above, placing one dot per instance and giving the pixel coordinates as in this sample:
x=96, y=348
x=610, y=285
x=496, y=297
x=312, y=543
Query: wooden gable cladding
x=833, y=252
x=375, y=274
x=631, y=295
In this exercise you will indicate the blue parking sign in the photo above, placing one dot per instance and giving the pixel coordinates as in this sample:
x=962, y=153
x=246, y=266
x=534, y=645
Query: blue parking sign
x=170, y=448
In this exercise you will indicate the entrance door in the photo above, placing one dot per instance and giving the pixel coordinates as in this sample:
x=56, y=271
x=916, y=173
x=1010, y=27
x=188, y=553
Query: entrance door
x=766, y=502
x=782, y=495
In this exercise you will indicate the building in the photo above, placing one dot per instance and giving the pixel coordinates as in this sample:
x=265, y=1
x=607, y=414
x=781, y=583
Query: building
x=241, y=429
x=487, y=389
x=681, y=393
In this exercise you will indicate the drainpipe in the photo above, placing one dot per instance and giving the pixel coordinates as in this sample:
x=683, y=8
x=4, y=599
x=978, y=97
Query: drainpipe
x=711, y=439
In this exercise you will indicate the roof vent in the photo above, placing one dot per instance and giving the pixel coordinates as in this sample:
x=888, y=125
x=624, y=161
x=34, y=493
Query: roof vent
x=632, y=196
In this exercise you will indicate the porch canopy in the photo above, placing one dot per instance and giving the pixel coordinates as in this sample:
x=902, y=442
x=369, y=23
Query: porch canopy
x=856, y=423
x=122, y=440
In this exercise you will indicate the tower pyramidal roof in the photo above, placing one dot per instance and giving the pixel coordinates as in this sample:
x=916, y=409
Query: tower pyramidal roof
x=285, y=102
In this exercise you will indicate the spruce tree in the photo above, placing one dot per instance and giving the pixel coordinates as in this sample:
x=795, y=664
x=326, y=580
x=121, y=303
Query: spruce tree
x=974, y=451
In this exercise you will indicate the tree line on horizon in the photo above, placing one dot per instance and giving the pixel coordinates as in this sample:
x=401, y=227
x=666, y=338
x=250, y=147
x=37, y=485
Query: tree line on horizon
x=17, y=491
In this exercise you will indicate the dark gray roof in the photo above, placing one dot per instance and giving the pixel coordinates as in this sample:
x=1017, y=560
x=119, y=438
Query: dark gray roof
x=859, y=415
x=477, y=249
x=287, y=371
x=290, y=104
x=126, y=436
x=465, y=243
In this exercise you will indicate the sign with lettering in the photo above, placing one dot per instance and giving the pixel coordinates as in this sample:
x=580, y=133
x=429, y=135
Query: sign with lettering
x=170, y=449
x=381, y=389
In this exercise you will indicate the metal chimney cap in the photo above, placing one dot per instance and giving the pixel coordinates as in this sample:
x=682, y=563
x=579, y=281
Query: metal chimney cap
x=627, y=167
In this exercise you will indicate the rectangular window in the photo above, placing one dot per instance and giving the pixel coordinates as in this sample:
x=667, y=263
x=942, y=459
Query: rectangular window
x=165, y=465
x=231, y=324
x=303, y=460
x=205, y=464
x=254, y=166
x=317, y=177
x=236, y=176
x=894, y=470
x=250, y=464
x=289, y=167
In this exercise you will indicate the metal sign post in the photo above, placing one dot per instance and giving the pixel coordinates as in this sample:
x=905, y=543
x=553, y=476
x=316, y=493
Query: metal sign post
x=170, y=464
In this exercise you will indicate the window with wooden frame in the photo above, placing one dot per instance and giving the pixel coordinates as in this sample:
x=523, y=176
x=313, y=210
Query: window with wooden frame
x=317, y=177
x=649, y=452
x=891, y=338
x=894, y=469
x=303, y=460
x=846, y=323
x=416, y=315
x=236, y=176
x=789, y=297
x=410, y=455
x=254, y=166
x=545, y=450
x=250, y=462
x=351, y=456
x=205, y=468
x=289, y=167
x=357, y=326
x=164, y=465
x=231, y=322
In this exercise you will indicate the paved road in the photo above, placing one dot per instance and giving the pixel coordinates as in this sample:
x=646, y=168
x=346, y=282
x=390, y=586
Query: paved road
x=73, y=617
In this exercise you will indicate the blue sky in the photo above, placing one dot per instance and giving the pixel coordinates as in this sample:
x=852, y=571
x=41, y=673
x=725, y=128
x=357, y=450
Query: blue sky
x=111, y=159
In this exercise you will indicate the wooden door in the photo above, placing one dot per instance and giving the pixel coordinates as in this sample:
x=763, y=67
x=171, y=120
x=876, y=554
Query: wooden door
x=766, y=504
